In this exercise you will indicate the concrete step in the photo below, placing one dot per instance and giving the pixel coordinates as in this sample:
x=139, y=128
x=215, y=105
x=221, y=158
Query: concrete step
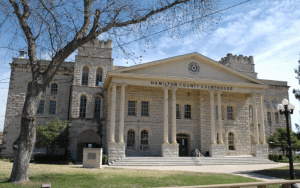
x=189, y=161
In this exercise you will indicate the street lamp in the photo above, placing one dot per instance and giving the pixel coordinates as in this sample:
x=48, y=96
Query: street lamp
x=287, y=108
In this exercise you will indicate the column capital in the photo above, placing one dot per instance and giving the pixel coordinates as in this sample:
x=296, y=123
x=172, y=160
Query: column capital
x=165, y=87
x=174, y=88
x=212, y=91
x=219, y=92
x=121, y=84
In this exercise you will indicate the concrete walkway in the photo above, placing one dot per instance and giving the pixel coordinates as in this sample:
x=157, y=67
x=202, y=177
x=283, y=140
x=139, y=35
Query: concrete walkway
x=241, y=170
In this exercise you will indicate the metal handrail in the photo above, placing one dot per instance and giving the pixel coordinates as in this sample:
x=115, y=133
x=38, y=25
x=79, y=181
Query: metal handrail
x=198, y=153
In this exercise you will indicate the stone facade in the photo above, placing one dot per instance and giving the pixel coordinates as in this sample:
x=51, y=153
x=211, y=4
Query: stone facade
x=145, y=108
x=170, y=150
x=217, y=150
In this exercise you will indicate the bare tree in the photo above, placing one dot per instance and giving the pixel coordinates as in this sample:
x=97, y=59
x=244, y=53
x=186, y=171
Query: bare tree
x=58, y=28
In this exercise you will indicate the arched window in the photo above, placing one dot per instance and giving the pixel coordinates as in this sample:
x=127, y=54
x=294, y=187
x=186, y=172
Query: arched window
x=130, y=139
x=99, y=77
x=144, y=137
x=267, y=102
x=97, y=107
x=275, y=103
x=144, y=140
x=250, y=114
x=230, y=141
x=54, y=88
x=85, y=76
x=82, y=111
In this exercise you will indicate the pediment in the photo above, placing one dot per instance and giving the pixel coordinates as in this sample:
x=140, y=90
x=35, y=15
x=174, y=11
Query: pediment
x=194, y=66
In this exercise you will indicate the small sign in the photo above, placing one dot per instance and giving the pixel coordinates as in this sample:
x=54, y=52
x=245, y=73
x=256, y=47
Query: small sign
x=91, y=156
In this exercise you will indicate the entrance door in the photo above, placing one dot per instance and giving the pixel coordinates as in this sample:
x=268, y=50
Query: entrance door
x=183, y=141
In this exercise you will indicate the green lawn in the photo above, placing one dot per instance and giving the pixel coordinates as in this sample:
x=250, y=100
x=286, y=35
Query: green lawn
x=282, y=172
x=75, y=176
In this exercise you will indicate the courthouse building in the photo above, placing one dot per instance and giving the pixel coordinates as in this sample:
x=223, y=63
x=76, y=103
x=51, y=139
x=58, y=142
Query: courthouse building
x=167, y=108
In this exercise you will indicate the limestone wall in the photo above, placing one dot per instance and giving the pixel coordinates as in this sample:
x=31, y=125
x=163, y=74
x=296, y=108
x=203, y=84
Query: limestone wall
x=20, y=76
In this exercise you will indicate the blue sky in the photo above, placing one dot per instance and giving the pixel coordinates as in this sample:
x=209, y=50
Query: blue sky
x=267, y=30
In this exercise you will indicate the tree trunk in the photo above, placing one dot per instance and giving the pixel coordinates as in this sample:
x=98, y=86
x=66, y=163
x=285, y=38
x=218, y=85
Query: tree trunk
x=24, y=145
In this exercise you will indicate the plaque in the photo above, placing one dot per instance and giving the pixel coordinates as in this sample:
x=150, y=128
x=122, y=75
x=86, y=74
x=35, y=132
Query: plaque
x=91, y=156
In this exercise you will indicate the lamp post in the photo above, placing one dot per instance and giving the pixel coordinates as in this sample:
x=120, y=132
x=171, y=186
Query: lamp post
x=287, y=108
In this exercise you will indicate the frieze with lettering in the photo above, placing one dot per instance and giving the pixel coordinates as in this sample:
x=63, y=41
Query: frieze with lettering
x=196, y=86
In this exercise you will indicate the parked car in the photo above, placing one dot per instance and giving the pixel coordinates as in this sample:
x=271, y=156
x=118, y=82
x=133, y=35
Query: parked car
x=297, y=152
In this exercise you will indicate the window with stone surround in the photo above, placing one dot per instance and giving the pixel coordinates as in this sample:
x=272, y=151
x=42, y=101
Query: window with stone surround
x=145, y=108
x=85, y=76
x=82, y=110
x=230, y=112
x=230, y=141
x=41, y=107
x=276, y=117
x=97, y=107
x=250, y=114
x=54, y=88
x=177, y=111
x=130, y=139
x=144, y=138
x=275, y=103
x=187, y=111
x=52, y=108
x=269, y=118
x=267, y=102
x=99, y=77
x=131, y=108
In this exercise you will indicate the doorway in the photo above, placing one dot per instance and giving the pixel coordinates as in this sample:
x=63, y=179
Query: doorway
x=183, y=141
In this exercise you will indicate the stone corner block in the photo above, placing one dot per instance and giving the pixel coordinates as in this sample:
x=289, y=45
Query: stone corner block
x=217, y=150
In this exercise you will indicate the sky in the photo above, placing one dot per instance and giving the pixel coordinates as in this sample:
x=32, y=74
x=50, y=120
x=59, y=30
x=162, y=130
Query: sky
x=267, y=30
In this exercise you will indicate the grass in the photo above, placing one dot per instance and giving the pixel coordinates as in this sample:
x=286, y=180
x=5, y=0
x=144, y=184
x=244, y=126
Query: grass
x=76, y=176
x=282, y=172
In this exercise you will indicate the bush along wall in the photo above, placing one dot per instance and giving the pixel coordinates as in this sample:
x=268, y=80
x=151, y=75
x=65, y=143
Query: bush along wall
x=283, y=158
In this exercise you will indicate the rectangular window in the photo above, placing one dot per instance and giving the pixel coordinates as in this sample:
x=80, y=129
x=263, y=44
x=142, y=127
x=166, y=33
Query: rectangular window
x=269, y=118
x=52, y=109
x=131, y=108
x=187, y=111
x=145, y=108
x=276, y=117
x=41, y=107
x=177, y=111
x=229, y=112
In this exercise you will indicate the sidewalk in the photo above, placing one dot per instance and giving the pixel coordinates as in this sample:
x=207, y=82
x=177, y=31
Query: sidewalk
x=241, y=170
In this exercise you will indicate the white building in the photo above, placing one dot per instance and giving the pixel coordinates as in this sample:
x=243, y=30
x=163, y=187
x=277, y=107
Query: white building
x=168, y=107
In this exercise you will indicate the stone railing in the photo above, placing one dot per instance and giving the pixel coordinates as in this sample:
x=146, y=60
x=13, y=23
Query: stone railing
x=198, y=154
x=284, y=183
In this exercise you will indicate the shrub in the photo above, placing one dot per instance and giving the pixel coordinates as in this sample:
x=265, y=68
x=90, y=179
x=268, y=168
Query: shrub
x=42, y=158
x=104, y=159
x=274, y=157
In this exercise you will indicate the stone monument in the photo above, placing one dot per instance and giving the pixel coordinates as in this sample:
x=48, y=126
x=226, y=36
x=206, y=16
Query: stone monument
x=92, y=157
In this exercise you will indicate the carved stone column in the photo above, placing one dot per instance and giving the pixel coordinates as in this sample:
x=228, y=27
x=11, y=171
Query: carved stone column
x=254, y=110
x=262, y=125
x=166, y=114
x=212, y=118
x=220, y=118
x=122, y=111
x=113, y=113
x=174, y=115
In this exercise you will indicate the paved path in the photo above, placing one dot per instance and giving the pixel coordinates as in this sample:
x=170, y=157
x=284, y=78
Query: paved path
x=241, y=170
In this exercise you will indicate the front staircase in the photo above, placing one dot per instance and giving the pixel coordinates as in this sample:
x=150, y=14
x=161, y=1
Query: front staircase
x=189, y=161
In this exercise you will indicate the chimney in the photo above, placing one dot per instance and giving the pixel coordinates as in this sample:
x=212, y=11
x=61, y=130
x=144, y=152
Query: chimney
x=22, y=54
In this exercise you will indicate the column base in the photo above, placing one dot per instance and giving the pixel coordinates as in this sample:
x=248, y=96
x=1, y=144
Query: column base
x=170, y=150
x=115, y=151
x=261, y=150
x=217, y=150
